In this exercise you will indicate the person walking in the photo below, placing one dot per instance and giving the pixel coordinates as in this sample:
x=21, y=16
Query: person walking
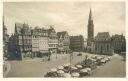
x=49, y=56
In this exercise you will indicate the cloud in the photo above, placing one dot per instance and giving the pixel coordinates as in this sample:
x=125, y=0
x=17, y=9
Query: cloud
x=69, y=16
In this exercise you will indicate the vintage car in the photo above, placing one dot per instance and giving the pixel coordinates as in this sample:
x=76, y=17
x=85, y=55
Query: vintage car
x=74, y=69
x=66, y=75
x=79, y=66
x=85, y=72
x=75, y=75
x=60, y=73
x=79, y=54
x=60, y=68
x=52, y=73
x=66, y=67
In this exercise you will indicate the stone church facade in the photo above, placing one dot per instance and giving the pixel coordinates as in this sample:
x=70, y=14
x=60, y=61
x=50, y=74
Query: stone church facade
x=102, y=44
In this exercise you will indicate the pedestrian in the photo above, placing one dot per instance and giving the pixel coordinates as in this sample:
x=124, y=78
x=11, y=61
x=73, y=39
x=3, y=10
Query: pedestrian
x=49, y=55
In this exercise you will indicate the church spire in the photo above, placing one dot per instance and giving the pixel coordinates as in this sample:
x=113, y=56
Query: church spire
x=3, y=20
x=90, y=31
x=4, y=27
x=90, y=14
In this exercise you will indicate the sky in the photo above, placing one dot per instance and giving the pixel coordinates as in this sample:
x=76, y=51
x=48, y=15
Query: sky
x=67, y=16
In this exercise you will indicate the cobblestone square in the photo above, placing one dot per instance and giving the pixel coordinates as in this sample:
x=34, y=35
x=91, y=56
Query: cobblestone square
x=36, y=68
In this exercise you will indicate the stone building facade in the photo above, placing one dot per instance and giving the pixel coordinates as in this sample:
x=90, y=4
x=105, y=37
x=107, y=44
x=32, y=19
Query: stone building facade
x=5, y=41
x=35, y=41
x=119, y=43
x=23, y=40
x=53, y=40
x=12, y=47
x=77, y=43
x=63, y=42
x=40, y=45
x=28, y=43
x=102, y=44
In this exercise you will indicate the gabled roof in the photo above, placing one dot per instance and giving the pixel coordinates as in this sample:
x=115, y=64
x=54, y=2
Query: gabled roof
x=51, y=30
x=116, y=36
x=22, y=28
x=18, y=24
x=18, y=27
x=101, y=36
x=59, y=34
x=37, y=31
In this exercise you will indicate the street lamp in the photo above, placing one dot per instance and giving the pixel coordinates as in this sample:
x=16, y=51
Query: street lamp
x=56, y=55
x=71, y=57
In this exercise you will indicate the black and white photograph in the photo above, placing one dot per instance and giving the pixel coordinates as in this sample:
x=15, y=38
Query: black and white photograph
x=66, y=39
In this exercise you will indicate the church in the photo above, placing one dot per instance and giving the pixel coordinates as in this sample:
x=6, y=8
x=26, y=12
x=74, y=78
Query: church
x=90, y=33
x=101, y=43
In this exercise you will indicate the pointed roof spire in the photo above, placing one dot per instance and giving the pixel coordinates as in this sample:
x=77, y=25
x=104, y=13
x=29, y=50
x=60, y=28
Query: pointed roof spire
x=90, y=11
x=90, y=14
x=4, y=27
x=3, y=20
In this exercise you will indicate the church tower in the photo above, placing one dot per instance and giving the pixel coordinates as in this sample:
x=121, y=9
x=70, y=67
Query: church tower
x=4, y=31
x=90, y=29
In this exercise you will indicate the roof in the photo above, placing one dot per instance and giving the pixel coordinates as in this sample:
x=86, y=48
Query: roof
x=22, y=28
x=59, y=34
x=51, y=30
x=116, y=36
x=18, y=24
x=78, y=37
x=18, y=27
x=102, y=36
x=37, y=31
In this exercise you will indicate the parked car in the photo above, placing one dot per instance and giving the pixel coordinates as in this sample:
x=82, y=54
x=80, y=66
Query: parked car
x=66, y=75
x=80, y=54
x=85, y=72
x=75, y=74
x=60, y=73
x=52, y=73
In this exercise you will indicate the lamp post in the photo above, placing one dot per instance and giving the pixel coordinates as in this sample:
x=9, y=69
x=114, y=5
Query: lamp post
x=71, y=57
x=49, y=55
x=56, y=55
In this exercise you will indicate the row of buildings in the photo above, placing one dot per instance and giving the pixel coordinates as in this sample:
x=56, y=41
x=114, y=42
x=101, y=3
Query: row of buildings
x=38, y=42
x=27, y=42
x=5, y=42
